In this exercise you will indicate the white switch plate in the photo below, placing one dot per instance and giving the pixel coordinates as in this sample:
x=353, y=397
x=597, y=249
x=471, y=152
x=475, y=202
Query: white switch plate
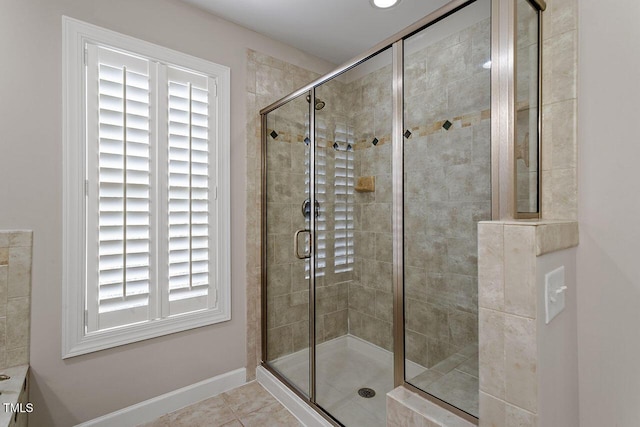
x=554, y=290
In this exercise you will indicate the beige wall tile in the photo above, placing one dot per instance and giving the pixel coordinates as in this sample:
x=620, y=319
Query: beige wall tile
x=518, y=417
x=519, y=270
x=405, y=408
x=21, y=238
x=560, y=67
x=547, y=208
x=19, y=276
x=492, y=352
x=491, y=266
x=280, y=342
x=336, y=324
x=17, y=356
x=561, y=187
x=399, y=415
x=4, y=290
x=15, y=288
x=3, y=332
x=415, y=282
x=416, y=348
x=521, y=362
x=251, y=71
x=559, y=135
x=4, y=256
x=18, y=322
x=492, y=411
x=560, y=16
x=272, y=82
x=554, y=237
x=4, y=239
x=463, y=328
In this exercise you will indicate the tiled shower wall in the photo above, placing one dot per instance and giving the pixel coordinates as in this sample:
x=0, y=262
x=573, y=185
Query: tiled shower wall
x=288, y=277
x=559, y=110
x=268, y=79
x=371, y=294
x=15, y=297
x=447, y=191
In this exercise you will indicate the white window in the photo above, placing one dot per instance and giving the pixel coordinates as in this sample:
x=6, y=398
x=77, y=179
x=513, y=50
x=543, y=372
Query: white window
x=146, y=190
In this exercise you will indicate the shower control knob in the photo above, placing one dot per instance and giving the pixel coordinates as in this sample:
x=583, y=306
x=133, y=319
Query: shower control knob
x=306, y=209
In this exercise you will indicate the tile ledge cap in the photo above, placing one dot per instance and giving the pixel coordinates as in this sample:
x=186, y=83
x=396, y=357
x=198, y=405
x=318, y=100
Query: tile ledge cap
x=530, y=222
x=550, y=235
x=426, y=409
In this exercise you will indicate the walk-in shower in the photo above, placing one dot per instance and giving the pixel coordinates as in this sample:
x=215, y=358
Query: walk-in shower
x=371, y=199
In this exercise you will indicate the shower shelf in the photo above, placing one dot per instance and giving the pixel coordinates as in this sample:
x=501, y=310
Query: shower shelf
x=366, y=184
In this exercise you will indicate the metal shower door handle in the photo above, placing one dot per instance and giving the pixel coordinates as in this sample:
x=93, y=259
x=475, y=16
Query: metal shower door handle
x=295, y=244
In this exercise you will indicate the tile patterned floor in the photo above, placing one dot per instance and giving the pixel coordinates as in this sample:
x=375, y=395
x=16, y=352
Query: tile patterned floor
x=247, y=406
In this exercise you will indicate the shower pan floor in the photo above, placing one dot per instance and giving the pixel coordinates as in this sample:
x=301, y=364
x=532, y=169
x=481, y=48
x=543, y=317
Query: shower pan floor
x=344, y=366
x=347, y=364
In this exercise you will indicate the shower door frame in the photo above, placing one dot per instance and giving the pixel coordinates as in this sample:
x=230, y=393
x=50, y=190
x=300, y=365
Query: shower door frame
x=502, y=175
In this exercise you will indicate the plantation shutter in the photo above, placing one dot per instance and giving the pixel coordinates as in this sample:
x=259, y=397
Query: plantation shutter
x=119, y=187
x=191, y=104
x=344, y=175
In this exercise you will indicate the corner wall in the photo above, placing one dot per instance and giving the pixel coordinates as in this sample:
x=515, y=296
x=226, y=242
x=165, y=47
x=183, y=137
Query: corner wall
x=608, y=255
x=66, y=392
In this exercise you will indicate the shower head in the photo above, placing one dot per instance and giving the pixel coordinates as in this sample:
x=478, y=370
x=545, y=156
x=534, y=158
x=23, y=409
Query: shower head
x=319, y=103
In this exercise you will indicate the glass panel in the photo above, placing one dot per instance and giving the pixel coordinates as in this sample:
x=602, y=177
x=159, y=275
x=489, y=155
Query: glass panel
x=447, y=190
x=287, y=275
x=526, y=143
x=354, y=302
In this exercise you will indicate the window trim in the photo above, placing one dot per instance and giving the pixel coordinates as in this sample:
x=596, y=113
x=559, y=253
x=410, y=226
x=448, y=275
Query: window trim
x=74, y=340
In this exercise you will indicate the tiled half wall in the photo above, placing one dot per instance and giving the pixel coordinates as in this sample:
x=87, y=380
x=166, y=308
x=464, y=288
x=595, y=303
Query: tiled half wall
x=528, y=370
x=15, y=297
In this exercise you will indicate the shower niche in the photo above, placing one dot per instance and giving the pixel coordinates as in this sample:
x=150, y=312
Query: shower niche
x=378, y=287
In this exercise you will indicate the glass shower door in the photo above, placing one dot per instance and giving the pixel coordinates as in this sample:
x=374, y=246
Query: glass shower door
x=287, y=241
x=353, y=258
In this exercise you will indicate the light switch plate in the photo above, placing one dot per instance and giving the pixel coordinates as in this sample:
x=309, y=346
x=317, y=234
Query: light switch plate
x=554, y=293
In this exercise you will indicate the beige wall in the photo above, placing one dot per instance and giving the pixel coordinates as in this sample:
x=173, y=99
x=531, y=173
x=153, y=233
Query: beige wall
x=608, y=267
x=558, y=346
x=84, y=387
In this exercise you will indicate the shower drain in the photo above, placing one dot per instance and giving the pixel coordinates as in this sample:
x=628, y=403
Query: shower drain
x=367, y=393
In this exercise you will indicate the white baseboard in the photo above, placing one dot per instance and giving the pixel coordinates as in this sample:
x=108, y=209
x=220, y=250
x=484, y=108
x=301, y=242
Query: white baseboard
x=156, y=407
x=303, y=412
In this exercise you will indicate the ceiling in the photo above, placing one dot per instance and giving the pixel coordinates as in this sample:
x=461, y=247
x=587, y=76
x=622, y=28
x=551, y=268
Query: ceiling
x=335, y=30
